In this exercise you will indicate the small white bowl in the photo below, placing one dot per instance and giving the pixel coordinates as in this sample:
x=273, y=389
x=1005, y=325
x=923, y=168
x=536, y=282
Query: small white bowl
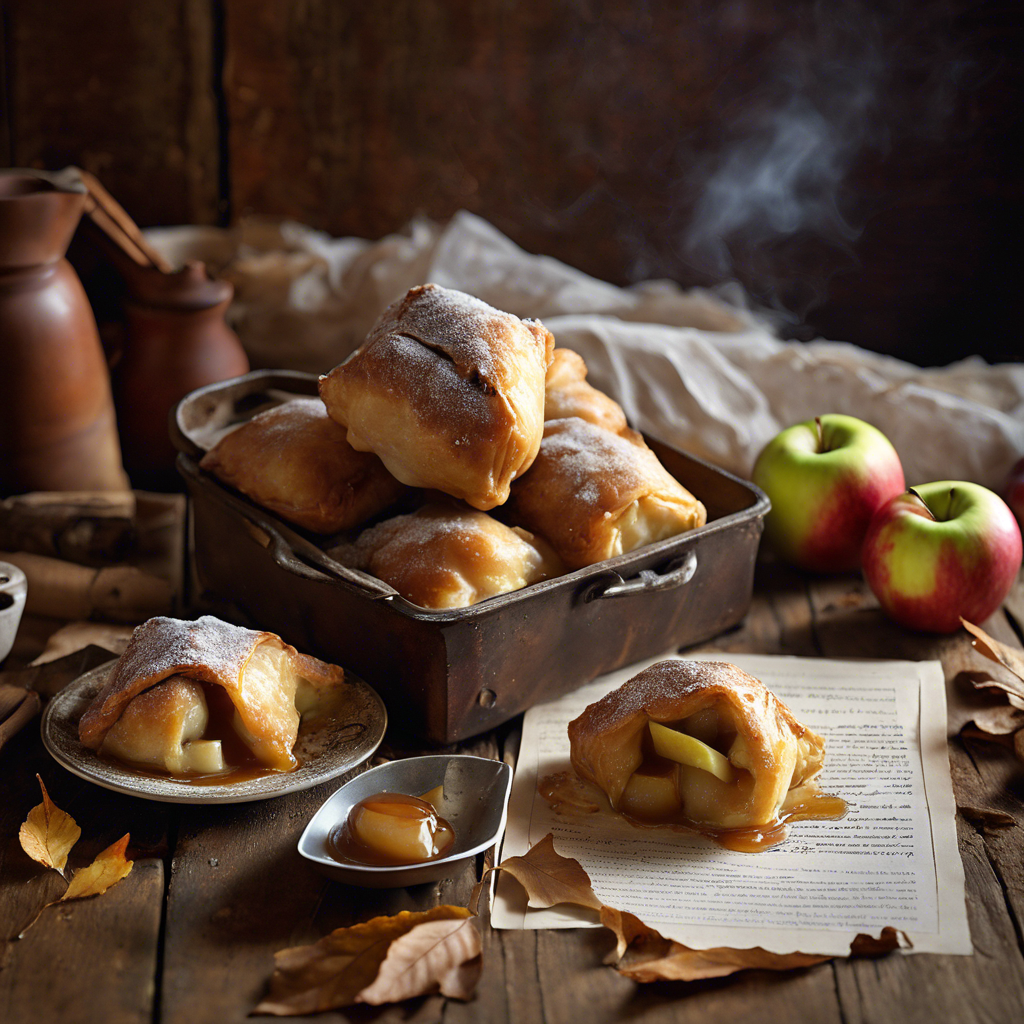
x=13, y=590
x=475, y=801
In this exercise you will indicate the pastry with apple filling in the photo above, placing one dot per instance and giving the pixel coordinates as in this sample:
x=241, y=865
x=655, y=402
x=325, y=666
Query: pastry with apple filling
x=448, y=392
x=294, y=460
x=567, y=393
x=594, y=494
x=703, y=744
x=205, y=697
x=444, y=555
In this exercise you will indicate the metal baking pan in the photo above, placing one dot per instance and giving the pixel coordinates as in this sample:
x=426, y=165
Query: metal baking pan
x=446, y=675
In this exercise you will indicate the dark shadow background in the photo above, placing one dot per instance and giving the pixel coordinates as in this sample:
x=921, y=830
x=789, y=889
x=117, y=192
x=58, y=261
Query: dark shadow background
x=854, y=165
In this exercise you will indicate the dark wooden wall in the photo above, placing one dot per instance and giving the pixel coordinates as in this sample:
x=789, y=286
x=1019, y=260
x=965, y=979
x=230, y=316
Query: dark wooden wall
x=853, y=163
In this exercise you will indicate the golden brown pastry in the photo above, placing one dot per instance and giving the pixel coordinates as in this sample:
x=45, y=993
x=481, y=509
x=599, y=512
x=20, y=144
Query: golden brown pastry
x=696, y=740
x=593, y=494
x=448, y=391
x=294, y=460
x=446, y=556
x=268, y=684
x=567, y=393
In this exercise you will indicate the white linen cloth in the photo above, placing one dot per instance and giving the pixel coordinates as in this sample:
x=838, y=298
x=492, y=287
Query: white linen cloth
x=694, y=368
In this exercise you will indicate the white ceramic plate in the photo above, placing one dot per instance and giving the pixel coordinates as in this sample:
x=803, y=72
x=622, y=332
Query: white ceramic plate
x=324, y=752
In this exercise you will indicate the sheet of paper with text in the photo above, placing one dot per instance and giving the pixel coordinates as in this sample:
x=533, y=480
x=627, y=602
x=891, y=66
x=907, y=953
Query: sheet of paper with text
x=892, y=860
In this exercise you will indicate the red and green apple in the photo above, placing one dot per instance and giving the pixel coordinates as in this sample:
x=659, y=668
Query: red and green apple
x=826, y=478
x=941, y=551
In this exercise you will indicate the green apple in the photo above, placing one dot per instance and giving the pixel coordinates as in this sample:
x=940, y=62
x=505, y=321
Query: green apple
x=826, y=478
x=941, y=551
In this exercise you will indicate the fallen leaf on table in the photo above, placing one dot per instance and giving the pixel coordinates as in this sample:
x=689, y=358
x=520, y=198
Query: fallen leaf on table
x=48, y=833
x=549, y=878
x=644, y=954
x=109, y=867
x=889, y=939
x=988, y=816
x=335, y=971
x=441, y=956
x=1001, y=721
x=1009, y=657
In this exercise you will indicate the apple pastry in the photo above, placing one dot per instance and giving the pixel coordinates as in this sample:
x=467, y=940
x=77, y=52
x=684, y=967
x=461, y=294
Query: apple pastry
x=448, y=391
x=205, y=696
x=703, y=743
x=446, y=556
x=567, y=393
x=294, y=460
x=594, y=494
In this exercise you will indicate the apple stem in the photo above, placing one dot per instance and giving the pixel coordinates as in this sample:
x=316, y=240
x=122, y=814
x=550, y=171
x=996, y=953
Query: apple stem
x=910, y=490
x=821, y=434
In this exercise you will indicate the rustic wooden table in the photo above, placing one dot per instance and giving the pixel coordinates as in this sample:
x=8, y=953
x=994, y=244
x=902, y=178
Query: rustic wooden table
x=189, y=936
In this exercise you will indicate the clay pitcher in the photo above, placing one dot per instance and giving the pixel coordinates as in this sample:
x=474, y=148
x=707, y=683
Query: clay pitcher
x=57, y=425
x=176, y=341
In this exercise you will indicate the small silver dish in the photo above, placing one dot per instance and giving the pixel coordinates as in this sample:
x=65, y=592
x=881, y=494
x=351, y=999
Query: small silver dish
x=475, y=801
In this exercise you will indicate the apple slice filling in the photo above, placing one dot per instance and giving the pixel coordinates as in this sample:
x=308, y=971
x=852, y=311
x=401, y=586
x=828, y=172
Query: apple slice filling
x=698, y=768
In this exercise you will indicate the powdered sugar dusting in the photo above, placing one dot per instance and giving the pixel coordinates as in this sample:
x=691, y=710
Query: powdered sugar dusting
x=206, y=649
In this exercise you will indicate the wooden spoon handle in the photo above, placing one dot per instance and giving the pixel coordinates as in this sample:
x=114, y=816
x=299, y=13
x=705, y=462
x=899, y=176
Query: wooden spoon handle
x=113, y=220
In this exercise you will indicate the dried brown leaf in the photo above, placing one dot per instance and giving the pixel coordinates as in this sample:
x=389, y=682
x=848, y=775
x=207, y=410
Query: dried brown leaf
x=48, y=833
x=333, y=972
x=108, y=868
x=889, y=939
x=438, y=956
x=549, y=878
x=1009, y=657
x=644, y=955
x=988, y=816
x=1000, y=721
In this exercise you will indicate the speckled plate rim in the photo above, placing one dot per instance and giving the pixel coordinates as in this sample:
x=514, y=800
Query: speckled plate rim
x=333, y=754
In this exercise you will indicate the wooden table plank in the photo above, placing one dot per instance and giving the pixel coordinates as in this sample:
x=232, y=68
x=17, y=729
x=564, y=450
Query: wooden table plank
x=988, y=986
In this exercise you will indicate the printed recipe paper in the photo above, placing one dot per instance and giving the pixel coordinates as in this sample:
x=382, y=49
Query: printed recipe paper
x=892, y=860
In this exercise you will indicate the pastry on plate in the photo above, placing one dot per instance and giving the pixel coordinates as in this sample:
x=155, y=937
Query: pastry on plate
x=567, y=393
x=594, y=494
x=294, y=460
x=447, y=556
x=205, y=696
x=448, y=391
x=697, y=741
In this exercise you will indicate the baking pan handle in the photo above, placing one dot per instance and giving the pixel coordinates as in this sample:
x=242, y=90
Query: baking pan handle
x=678, y=574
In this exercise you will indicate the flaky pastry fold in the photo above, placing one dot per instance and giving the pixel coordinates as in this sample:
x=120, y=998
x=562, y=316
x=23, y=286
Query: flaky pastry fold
x=448, y=556
x=775, y=755
x=594, y=494
x=295, y=461
x=260, y=673
x=448, y=391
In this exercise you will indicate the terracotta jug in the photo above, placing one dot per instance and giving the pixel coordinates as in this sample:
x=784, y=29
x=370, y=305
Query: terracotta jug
x=57, y=426
x=176, y=340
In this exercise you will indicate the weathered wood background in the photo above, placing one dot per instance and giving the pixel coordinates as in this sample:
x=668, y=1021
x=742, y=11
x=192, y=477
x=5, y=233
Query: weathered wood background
x=853, y=163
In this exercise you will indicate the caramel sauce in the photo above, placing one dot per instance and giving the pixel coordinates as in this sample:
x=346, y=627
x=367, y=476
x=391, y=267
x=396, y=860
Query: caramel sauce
x=568, y=794
x=346, y=845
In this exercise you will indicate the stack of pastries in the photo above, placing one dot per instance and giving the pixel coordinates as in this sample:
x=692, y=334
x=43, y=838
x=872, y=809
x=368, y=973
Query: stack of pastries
x=462, y=410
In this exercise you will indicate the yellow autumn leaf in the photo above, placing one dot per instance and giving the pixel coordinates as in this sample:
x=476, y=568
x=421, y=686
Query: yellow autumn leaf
x=109, y=867
x=48, y=833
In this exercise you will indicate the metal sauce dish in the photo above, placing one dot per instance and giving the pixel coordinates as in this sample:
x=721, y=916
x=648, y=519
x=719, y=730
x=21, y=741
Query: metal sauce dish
x=475, y=801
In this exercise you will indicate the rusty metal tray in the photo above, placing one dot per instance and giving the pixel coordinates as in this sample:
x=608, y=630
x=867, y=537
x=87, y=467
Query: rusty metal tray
x=446, y=675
